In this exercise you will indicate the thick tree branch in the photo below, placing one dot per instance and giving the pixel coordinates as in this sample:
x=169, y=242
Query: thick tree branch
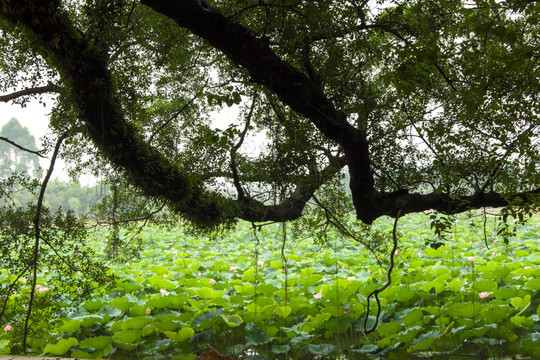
x=292, y=87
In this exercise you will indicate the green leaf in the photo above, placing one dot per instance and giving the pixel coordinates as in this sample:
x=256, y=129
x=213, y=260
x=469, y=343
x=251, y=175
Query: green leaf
x=283, y=311
x=387, y=329
x=519, y=302
x=70, y=326
x=92, y=305
x=61, y=347
x=136, y=323
x=466, y=310
x=185, y=334
x=127, y=336
x=96, y=342
x=205, y=293
x=207, y=318
x=425, y=341
x=182, y=335
x=414, y=317
x=258, y=338
x=161, y=345
x=232, y=320
x=533, y=284
x=321, y=349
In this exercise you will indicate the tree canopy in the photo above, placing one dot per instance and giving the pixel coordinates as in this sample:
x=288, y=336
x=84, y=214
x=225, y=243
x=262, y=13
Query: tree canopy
x=419, y=104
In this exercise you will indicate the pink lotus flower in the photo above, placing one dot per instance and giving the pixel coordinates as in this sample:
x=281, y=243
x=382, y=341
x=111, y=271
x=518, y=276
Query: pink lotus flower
x=233, y=268
x=8, y=328
x=317, y=296
x=148, y=311
x=260, y=262
x=212, y=281
x=351, y=278
x=164, y=292
x=483, y=294
x=470, y=258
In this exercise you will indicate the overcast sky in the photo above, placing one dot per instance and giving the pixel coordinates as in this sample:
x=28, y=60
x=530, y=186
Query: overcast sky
x=34, y=117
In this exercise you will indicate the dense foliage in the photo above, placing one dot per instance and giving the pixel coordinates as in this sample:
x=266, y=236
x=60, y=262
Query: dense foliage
x=242, y=294
x=425, y=105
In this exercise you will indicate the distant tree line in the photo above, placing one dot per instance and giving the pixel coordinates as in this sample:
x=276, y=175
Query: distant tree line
x=19, y=154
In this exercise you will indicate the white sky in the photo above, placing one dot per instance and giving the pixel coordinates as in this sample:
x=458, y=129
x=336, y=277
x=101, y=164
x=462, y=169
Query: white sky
x=34, y=117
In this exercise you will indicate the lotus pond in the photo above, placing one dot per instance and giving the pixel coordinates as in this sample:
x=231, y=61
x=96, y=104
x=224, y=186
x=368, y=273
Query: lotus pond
x=248, y=294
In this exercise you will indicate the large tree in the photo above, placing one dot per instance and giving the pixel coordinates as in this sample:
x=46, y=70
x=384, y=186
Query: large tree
x=423, y=104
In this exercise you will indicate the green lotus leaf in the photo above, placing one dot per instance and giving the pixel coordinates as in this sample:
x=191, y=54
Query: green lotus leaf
x=61, y=347
x=96, y=342
x=136, y=323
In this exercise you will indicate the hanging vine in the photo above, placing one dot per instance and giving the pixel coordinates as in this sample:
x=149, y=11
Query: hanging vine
x=388, y=282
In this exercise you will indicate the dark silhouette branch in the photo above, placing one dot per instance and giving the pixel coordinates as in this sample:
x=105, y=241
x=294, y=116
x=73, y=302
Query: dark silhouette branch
x=236, y=147
x=49, y=88
x=20, y=147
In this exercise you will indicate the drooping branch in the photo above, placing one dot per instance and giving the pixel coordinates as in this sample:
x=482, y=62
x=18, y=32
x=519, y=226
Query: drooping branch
x=20, y=147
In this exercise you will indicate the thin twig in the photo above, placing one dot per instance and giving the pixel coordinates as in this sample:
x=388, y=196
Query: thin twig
x=175, y=115
x=10, y=289
x=343, y=228
x=237, y=146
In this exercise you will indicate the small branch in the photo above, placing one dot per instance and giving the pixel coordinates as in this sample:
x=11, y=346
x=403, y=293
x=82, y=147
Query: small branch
x=10, y=289
x=443, y=74
x=235, y=148
x=38, y=153
x=175, y=115
x=37, y=230
x=388, y=282
x=332, y=219
x=49, y=88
